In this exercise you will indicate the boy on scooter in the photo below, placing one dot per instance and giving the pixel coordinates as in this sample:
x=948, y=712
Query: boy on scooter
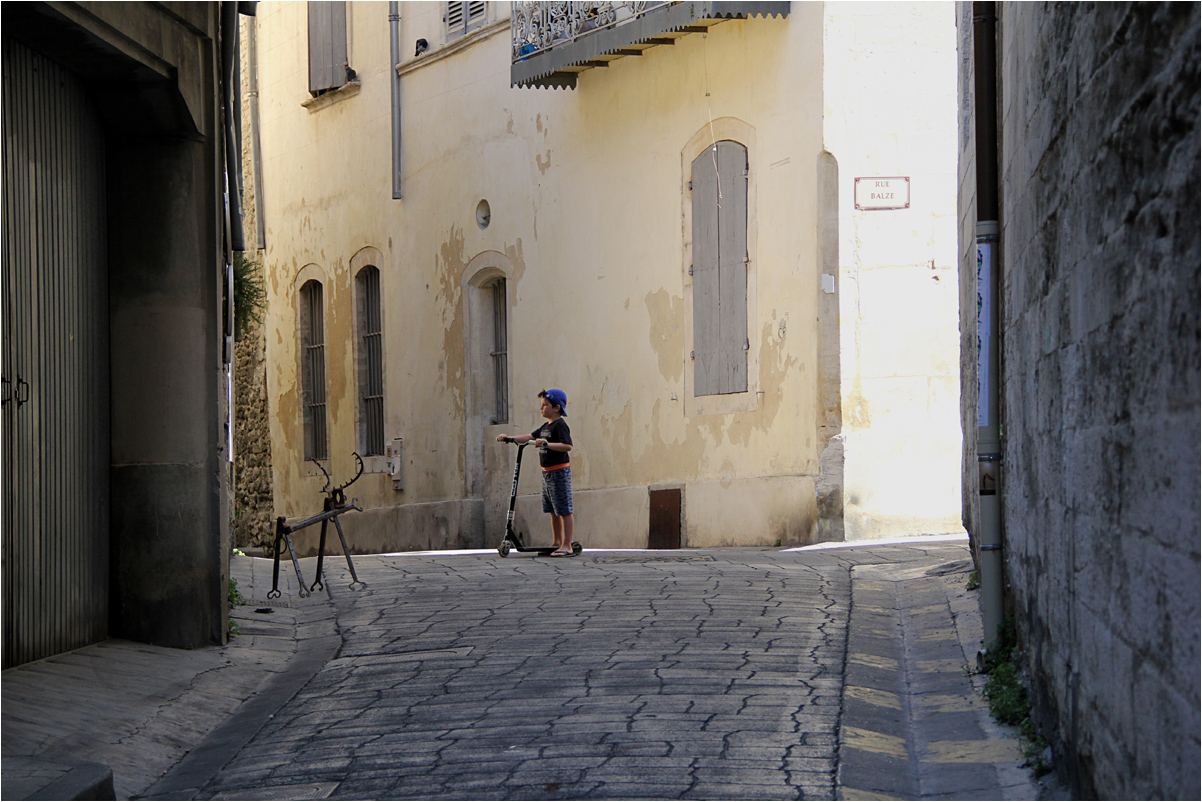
x=554, y=441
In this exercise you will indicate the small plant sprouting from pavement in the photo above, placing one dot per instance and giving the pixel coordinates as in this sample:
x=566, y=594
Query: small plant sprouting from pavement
x=1007, y=696
x=974, y=581
x=235, y=599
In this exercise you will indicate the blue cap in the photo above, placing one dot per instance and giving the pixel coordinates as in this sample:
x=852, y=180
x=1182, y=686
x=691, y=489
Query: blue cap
x=558, y=397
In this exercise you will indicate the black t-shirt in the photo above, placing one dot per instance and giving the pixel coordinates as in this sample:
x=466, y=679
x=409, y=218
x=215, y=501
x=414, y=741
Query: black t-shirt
x=553, y=431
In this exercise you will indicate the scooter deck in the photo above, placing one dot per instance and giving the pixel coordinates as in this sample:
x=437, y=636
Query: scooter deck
x=508, y=545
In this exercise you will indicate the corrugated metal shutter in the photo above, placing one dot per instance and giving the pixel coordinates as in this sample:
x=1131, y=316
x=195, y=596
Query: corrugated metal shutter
x=55, y=363
x=327, y=46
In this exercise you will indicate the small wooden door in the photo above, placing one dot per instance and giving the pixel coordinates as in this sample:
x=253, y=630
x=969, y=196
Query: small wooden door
x=664, y=528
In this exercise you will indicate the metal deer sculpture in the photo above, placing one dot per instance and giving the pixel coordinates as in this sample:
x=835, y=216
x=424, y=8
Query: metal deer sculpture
x=335, y=504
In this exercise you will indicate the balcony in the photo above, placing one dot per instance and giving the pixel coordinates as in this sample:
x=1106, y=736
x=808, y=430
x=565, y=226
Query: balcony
x=555, y=42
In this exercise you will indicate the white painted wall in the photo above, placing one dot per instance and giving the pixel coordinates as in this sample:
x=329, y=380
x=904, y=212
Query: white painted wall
x=889, y=90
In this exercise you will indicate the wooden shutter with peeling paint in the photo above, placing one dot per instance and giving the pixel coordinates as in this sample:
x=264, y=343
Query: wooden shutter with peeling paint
x=327, y=46
x=732, y=267
x=706, y=345
x=719, y=204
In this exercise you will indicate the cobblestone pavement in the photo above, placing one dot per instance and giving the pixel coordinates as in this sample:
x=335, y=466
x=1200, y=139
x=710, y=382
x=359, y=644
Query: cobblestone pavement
x=700, y=674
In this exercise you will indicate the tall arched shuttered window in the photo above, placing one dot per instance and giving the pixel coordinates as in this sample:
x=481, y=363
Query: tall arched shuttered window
x=371, y=363
x=719, y=198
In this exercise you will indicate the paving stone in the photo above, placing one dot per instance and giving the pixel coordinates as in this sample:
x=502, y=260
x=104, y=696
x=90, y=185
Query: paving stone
x=721, y=678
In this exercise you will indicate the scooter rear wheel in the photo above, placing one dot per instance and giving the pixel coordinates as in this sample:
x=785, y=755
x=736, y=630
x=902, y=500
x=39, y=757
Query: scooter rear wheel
x=576, y=548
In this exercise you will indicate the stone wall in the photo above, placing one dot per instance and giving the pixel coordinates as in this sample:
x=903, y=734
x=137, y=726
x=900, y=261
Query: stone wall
x=253, y=509
x=1100, y=379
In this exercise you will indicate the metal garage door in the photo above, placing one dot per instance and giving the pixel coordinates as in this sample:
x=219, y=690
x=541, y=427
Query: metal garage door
x=55, y=362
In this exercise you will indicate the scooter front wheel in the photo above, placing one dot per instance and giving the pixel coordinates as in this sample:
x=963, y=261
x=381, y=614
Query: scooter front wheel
x=503, y=549
x=576, y=547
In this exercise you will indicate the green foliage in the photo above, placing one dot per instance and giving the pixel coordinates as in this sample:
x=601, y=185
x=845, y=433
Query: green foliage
x=234, y=629
x=1007, y=696
x=250, y=292
x=235, y=597
x=974, y=580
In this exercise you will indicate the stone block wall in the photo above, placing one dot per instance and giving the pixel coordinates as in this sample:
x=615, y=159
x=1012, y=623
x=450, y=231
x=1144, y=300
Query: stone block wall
x=253, y=509
x=254, y=516
x=1100, y=381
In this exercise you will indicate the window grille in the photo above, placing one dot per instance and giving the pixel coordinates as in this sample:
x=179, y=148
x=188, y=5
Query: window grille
x=464, y=17
x=371, y=364
x=313, y=370
x=500, y=354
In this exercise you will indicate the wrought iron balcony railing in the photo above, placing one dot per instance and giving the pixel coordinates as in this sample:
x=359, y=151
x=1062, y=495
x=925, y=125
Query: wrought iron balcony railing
x=555, y=41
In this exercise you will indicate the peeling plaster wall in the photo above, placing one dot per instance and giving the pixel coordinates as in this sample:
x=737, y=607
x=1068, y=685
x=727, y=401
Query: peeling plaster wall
x=889, y=110
x=590, y=210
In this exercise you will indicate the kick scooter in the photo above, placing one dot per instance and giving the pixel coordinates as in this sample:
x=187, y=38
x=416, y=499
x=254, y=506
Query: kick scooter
x=513, y=540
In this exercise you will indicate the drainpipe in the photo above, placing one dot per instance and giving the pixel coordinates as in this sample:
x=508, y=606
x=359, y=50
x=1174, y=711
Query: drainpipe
x=229, y=93
x=394, y=25
x=256, y=157
x=989, y=446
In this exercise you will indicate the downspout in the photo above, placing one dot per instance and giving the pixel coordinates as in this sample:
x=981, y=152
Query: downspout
x=394, y=25
x=229, y=89
x=252, y=55
x=989, y=447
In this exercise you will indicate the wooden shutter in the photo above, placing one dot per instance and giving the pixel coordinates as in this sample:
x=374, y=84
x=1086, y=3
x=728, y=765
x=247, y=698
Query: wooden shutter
x=454, y=17
x=720, y=270
x=475, y=15
x=732, y=268
x=464, y=17
x=705, y=274
x=327, y=46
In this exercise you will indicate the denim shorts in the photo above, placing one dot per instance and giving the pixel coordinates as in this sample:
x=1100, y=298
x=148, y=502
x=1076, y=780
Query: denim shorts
x=557, y=491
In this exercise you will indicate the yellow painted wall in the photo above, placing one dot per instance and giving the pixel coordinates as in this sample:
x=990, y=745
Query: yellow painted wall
x=590, y=210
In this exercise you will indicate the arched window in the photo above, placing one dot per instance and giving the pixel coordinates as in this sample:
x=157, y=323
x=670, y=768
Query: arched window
x=313, y=369
x=370, y=362
x=719, y=198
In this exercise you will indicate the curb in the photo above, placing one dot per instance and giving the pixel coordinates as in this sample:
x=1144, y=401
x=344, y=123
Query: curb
x=83, y=779
x=318, y=643
x=914, y=723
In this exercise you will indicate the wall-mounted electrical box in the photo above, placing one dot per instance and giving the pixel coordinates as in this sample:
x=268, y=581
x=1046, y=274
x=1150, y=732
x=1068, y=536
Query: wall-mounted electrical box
x=396, y=462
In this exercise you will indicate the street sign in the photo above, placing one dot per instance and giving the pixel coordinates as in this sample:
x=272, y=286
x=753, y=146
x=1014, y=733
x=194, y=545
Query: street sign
x=883, y=192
